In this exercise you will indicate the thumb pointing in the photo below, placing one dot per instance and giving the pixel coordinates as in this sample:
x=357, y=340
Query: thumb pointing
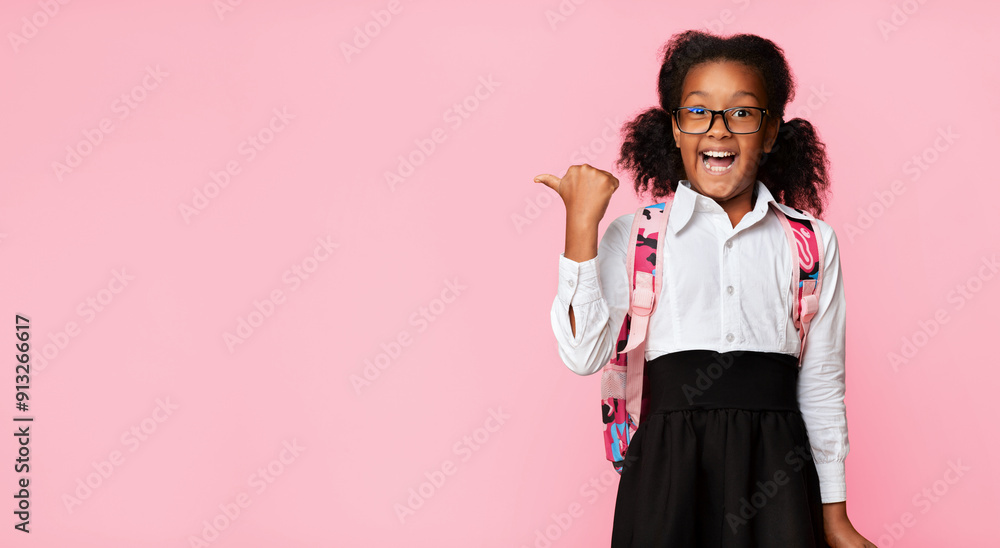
x=548, y=180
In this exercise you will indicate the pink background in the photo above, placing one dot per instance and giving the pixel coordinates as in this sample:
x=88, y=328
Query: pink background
x=174, y=92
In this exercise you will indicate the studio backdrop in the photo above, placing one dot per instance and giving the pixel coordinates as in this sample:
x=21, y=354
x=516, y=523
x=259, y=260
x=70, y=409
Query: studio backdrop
x=276, y=274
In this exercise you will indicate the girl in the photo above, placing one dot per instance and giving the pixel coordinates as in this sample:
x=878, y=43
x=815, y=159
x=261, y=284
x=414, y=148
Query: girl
x=756, y=457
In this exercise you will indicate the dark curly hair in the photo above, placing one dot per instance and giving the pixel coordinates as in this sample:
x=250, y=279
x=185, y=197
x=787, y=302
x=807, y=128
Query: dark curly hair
x=795, y=171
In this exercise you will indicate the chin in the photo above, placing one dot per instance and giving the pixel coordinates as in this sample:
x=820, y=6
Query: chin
x=719, y=186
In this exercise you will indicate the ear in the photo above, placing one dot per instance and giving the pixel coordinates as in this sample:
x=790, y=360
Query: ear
x=771, y=134
x=677, y=132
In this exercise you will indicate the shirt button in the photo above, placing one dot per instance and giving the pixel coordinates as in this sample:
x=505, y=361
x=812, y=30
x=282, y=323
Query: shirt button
x=729, y=244
x=730, y=337
x=572, y=283
x=730, y=290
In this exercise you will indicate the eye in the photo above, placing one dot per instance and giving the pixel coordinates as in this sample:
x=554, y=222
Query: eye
x=740, y=113
x=696, y=110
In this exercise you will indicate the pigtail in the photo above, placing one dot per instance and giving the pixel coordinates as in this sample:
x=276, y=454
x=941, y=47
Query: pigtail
x=796, y=171
x=646, y=151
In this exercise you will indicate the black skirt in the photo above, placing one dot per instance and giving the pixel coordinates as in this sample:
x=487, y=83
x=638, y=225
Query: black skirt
x=721, y=457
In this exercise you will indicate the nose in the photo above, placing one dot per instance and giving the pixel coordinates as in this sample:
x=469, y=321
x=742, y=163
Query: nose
x=720, y=128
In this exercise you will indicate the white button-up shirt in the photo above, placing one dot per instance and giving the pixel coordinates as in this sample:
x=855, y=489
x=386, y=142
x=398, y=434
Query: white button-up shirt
x=724, y=288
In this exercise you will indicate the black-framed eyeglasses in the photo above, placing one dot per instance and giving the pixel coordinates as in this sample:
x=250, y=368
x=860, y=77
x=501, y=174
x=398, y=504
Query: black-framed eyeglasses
x=739, y=120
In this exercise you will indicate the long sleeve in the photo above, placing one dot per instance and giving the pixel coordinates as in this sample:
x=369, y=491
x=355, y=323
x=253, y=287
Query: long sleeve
x=822, y=377
x=598, y=291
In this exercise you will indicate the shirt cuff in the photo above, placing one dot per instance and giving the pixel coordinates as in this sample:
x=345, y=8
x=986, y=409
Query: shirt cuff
x=832, y=483
x=578, y=282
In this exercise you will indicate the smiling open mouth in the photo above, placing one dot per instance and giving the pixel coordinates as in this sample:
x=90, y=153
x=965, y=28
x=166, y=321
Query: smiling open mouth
x=718, y=162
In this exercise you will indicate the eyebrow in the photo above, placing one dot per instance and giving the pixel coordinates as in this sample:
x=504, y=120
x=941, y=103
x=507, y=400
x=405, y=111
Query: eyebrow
x=740, y=93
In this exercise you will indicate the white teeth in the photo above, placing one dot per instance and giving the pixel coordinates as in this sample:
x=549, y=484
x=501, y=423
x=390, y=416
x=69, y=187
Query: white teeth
x=717, y=169
x=718, y=154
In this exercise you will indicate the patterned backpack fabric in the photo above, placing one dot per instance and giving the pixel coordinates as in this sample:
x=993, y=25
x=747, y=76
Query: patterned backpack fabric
x=623, y=394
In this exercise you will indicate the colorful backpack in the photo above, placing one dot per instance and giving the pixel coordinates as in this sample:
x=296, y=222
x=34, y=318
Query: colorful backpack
x=623, y=396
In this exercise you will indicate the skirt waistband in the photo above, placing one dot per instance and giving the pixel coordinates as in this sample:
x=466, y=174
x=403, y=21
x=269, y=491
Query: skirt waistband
x=706, y=379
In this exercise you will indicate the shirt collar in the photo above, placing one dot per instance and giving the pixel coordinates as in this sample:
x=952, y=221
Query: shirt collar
x=688, y=201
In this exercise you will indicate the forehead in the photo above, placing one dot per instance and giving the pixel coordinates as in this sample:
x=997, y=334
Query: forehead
x=723, y=80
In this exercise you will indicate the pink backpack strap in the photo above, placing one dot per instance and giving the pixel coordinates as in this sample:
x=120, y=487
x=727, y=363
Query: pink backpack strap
x=644, y=262
x=622, y=398
x=807, y=266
